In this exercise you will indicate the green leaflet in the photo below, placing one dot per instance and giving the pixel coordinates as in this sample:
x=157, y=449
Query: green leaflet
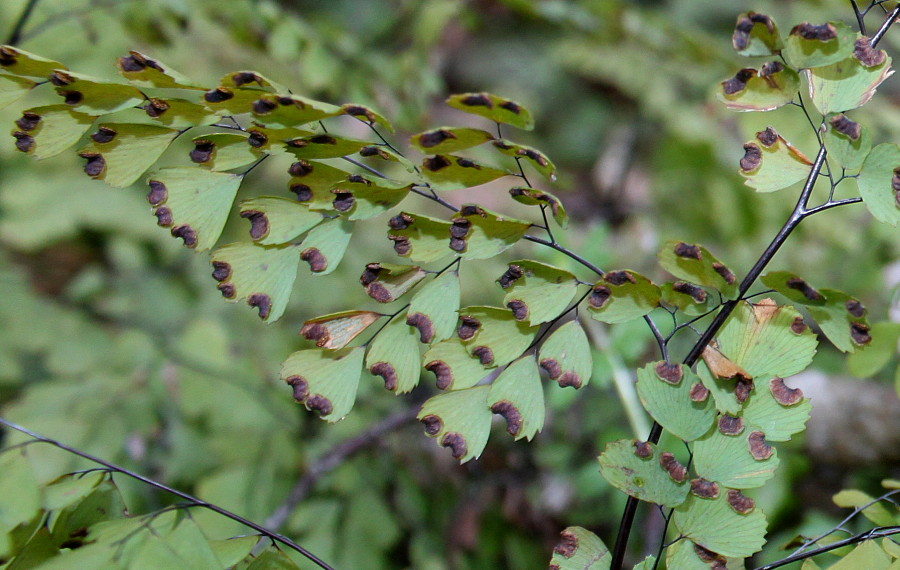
x=449, y=139
x=580, y=549
x=367, y=196
x=849, y=83
x=722, y=390
x=685, y=555
x=868, y=360
x=666, y=393
x=478, y=233
x=447, y=172
x=104, y=502
x=337, y=330
x=810, y=45
x=695, y=264
x=25, y=64
x=223, y=151
x=142, y=71
x=494, y=108
x=324, y=246
x=230, y=101
x=194, y=202
x=866, y=555
x=566, y=356
x=538, y=160
x=312, y=181
x=19, y=487
x=366, y=115
x=394, y=355
x=291, y=110
x=421, y=238
x=179, y=113
x=94, y=96
x=688, y=298
x=13, y=88
x=47, y=131
x=714, y=525
x=246, y=79
x=453, y=367
x=756, y=35
x=623, y=295
x=69, y=489
x=325, y=381
x=493, y=335
x=847, y=142
x=635, y=469
x=272, y=139
x=535, y=197
x=120, y=153
x=771, y=163
x=518, y=396
x=386, y=282
x=323, y=146
x=727, y=459
x=876, y=512
x=536, y=292
x=433, y=309
x=275, y=220
x=459, y=420
x=777, y=410
x=840, y=316
x=879, y=183
x=385, y=153
x=766, y=89
x=231, y=551
x=766, y=339
x=262, y=275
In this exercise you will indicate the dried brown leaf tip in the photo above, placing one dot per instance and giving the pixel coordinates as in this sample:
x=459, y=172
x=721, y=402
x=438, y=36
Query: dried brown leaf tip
x=737, y=83
x=859, y=333
x=314, y=257
x=423, y=324
x=203, y=151
x=699, y=392
x=519, y=309
x=186, y=233
x=484, y=354
x=752, y=157
x=155, y=108
x=724, y=272
x=617, y=278
x=742, y=388
x=643, y=449
x=866, y=54
x=468, y=326
x=740, y=503
x=262, y=302
x=855, y=308
x=259, y=223
x=798, y=326
x=24, y=141
x=29, y=121
x=807, y=31
x=687, y=251
x=741, y=37
x=800, y=285
x=600, y=294
x=95, y=164
x=759, y=449
x=509, y=413
x=676, y=470
x=783, y=394
x=218, y=95
x=370, y=274
x=442, y=373
x=720, y=365
x=846, y=127
x=387, y=372
x=668, y=372
x=510, y=276
x=456, y=443
x=433, y=424
x=704, y=489
x=730, y=425
x=767, y=137
x=694, y=292
x=221, y=270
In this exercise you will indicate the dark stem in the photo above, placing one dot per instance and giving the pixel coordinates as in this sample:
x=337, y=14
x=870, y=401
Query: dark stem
x=566, y=251
x=888, y=22
x=859, y=17
x=800, y=212
x=15, y=36
x=878, y=532
x=193, y=501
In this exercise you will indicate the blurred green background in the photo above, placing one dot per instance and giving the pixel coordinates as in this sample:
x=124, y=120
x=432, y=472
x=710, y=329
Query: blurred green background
x=115, y=340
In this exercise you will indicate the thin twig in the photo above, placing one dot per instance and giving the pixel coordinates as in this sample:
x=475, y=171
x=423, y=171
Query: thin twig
x=566, y=251
x=885, y=26
x=859, y=17
x=878, y=532
x=15, y=36
x=193, y=501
